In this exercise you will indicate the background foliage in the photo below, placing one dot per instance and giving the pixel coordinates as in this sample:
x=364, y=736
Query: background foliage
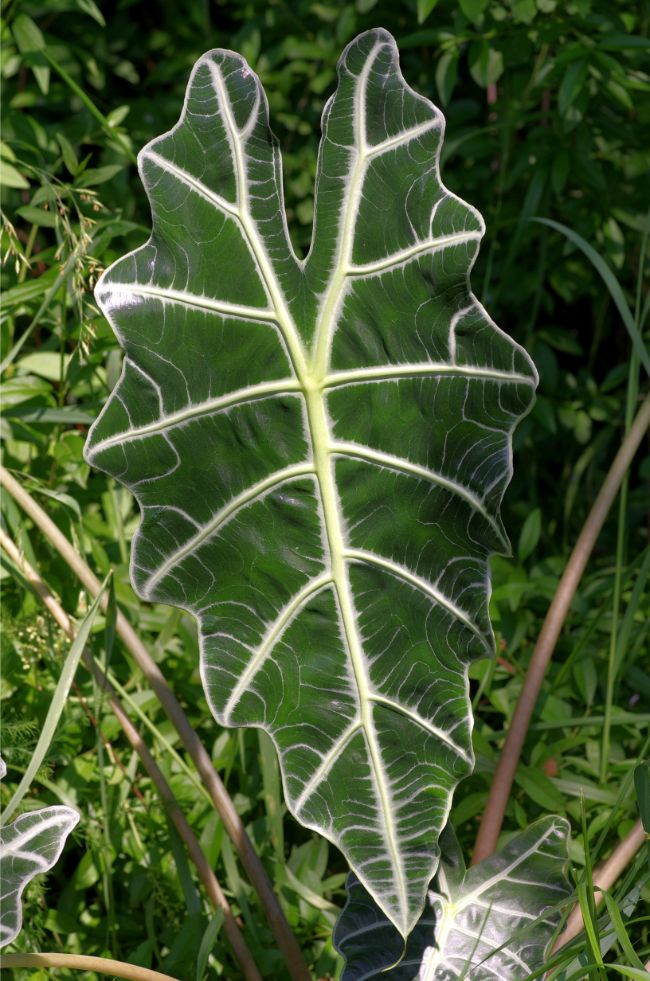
x=547, y=115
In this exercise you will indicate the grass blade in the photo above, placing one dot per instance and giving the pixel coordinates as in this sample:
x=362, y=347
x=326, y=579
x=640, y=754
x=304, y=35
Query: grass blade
x=611, y=283
x=56, y=706
x=272, y=796
x=207, y=943
x=642, y=784
x=631, y=972
x=621, y=933
x=112, y=133
x=642, y=787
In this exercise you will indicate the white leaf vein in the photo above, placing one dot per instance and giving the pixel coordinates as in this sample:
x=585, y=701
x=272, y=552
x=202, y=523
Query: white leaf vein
x=415, y=250
x=248, y=496
x=242, y=396
x=393, y=372
x=271, y=637
x=419, y=582
x=402, y=465
x=192, y=182
x=169, y=295
x=326, y=764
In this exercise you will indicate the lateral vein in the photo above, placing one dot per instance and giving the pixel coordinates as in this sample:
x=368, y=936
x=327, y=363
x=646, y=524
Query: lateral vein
x=376, y=373
x=274, y=632
x=405, y=466
x=402, y=138
x=326, y=764
x=405, y=255
x=241, y=396
x=424, y=724
x=235, y=504
x=401, y=572
x=193, y=300
x=192, y=182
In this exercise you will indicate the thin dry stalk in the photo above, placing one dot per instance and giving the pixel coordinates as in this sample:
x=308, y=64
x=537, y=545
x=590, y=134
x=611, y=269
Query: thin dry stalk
x=81, y=962
x=492, y=819
x=212, y=782
x=204, y=869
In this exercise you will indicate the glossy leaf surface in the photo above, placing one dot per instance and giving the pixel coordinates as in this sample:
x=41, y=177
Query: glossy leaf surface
x=28, y=847
x=319, y=448
x=492, y=922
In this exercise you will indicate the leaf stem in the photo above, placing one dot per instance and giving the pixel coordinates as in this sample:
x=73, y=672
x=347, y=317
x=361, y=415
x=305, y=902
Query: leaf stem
x=492, y=819
x=209, y=777
x=83, y=962
x=204, y=869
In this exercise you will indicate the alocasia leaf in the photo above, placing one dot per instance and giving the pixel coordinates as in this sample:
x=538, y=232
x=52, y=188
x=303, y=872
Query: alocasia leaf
x=492, y=922
x=28, y=847
x=319, y=448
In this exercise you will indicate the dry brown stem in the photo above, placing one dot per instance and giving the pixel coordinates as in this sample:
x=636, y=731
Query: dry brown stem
x=211, y=781
x=80, y=962
x=204, y=869
x=502, y=781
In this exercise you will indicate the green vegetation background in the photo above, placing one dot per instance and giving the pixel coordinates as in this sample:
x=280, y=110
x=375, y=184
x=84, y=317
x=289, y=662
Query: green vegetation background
x=548, y=115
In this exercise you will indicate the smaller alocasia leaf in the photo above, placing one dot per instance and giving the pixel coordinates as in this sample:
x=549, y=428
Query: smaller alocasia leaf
x=492, y=922
x=29, y=847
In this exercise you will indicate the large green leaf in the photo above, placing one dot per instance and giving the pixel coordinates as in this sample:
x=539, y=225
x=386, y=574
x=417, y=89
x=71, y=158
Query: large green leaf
x=492, y=922
x=319, y=448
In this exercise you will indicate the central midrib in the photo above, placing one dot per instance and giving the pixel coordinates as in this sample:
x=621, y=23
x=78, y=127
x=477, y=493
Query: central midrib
x=323, y=463
x=320, y=436
x=311, y=373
